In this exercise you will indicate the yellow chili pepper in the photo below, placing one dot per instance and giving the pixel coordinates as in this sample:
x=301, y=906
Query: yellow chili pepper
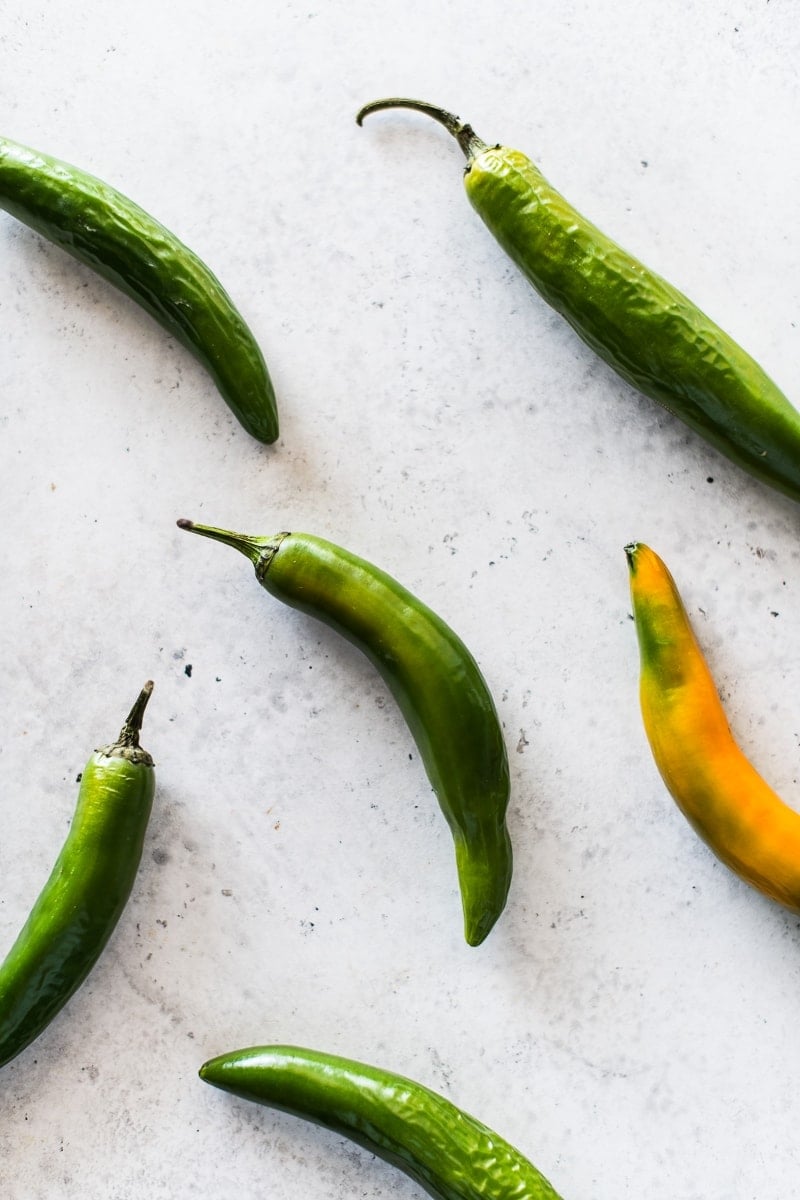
x=718, y=790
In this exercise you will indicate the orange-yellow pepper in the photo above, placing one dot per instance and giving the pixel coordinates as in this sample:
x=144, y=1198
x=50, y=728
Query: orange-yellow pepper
x=734, y=810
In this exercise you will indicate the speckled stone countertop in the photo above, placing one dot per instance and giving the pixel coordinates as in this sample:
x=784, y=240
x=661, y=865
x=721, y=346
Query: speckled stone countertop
x=630, y=1023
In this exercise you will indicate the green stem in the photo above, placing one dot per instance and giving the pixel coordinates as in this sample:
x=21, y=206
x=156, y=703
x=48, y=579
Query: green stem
x=260, y=550
x=465, y=135
x=127, y=744
x=251, y=547
x=129, y=734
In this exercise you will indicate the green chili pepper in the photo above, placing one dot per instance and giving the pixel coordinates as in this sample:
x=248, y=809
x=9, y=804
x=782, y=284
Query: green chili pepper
x=107, y=231
x=83, y=899
x=651, y=334
x=453, y=1156
x=433, y=678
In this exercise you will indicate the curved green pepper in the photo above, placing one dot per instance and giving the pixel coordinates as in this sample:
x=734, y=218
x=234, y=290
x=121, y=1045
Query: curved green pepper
x=643, y=327
x=453, y=1156
x=80, y=904
x=434, y=679
x=104, y=229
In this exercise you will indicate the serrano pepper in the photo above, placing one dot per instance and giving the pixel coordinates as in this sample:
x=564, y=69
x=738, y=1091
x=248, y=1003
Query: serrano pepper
x=642, y=326
x=453, y=1156
x=434, y=679
x=79, y=906
x=717, y=789
x=104, y=229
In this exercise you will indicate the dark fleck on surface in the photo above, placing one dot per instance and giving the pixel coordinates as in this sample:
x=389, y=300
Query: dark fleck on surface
x=710, y=479
x=79, y=777
x=187, y=670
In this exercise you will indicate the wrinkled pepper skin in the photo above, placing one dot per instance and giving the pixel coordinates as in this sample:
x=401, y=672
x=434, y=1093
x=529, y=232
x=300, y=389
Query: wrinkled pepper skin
x=453, y=1156
x=643, y=327
x=82, y=901
x=434, y=679
x=723, y=797
x=105, y=230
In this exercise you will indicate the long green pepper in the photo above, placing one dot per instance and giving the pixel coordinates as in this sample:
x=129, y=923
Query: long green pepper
x=453, y=1156
x=79, y=906
x=104, y=229
x=643, y=327
x=435, y=681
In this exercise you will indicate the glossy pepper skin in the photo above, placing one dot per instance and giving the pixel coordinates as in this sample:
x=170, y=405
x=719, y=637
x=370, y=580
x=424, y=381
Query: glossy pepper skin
x=80, y=904
x=104, y=229
x=649, y=332
x=718, y=790
x=453, y=1156
x=434, y=679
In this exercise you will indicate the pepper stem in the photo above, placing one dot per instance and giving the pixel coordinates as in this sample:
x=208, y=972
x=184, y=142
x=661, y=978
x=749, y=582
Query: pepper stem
x=630, y=554
x=127, y=744
x=465, y=135
x=129, y=734
x=251, y=547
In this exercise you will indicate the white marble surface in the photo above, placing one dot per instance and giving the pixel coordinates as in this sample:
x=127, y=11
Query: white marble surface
x=631, y=1024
